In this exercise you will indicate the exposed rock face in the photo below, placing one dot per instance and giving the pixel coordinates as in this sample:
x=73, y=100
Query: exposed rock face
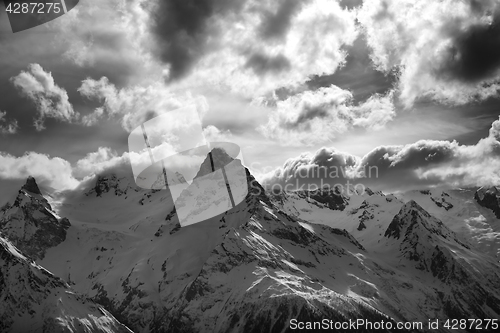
x=489, y=197
x=31, y=186
x=333, y=199
x=107, y=183
x=34, y=300
x=218, y=157
x=30, y=222
x=427, y=243
x=418, y=231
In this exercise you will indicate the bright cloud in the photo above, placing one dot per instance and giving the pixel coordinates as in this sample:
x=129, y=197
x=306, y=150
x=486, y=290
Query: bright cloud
x=136, y=104
x=255, y=47
x=51, y=100
x=447, y=50
x=391, y=168
x=52, y=171
x=313, y=117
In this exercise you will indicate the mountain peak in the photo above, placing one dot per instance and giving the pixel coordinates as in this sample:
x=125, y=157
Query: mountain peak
x=489, y=197
x=216, y=159
x=410, y=213
x=31, y=186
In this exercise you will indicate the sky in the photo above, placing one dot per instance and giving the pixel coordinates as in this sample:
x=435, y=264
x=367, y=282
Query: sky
x=409, y=87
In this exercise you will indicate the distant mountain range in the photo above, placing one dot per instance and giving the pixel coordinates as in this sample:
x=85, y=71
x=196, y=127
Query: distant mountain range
x=115, y=250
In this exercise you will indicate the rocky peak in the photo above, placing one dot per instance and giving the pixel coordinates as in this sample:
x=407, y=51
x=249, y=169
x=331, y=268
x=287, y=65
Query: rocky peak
x=332, y=198
x=30, y=224
x=219, y=158
x=31, y=186
x=410, y=215
x=112, y=182
x=489, y=197
x=425, y=240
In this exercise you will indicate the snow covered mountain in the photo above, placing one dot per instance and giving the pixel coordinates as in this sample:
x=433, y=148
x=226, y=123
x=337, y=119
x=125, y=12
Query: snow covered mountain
x=34, y=300
x=31, y=223
x=272, y=258
x=365, y=215
x=424, y=242
x=464, y=213
x=186, y=278
x=489, y=198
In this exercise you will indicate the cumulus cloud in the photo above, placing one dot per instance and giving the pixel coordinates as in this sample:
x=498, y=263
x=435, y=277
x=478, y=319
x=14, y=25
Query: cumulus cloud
x=318, y=116
x=96, y=162
x=135, y=104
x=254, y=47
x=7, y=127
x=54, y=172
x=392, y=168
x=58, y=174
x=51, y=100
x=495, y=130
x=308, y=169
x=447, y=50
x=213, y=134
x=111, y=36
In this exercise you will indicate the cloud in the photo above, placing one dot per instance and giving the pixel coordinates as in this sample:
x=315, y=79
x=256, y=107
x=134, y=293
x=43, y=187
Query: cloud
x=92, y=118
x=447, y=51
x=392, y=168
x=495, y=130
x=276, y=24
x=58, y=174
x=96, y=162
x=183, y=30
x=135, y=104
x=51, y=100
x=260, y=46
x=7, y=127
x=375, y=112
x=111, y=37
x=318, y=116
x=54, y=172
x=213, y=134
x=263, y=64
x=309, y=169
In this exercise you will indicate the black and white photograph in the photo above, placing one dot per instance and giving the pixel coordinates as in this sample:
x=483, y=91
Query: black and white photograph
x=249, y=166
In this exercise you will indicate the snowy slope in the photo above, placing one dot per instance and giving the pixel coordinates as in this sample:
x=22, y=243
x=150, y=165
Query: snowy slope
x=489, y=197
x=34, y=300
x=128, y=272
x=364, y=215
x=31, y=223
x=460, y=211
x=263, y=262
x=469, y=282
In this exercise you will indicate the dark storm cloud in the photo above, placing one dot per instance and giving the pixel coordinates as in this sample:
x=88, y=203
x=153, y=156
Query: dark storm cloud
x=326, y=163
x=307, y=114
x=475, y=54
x=182, y=28
x=419, y=154
x=263, y=64
x=358, y=75
x=329, y=157
x=396, y=165
x=276, y=25
x=446, y=51
x=390, y=168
